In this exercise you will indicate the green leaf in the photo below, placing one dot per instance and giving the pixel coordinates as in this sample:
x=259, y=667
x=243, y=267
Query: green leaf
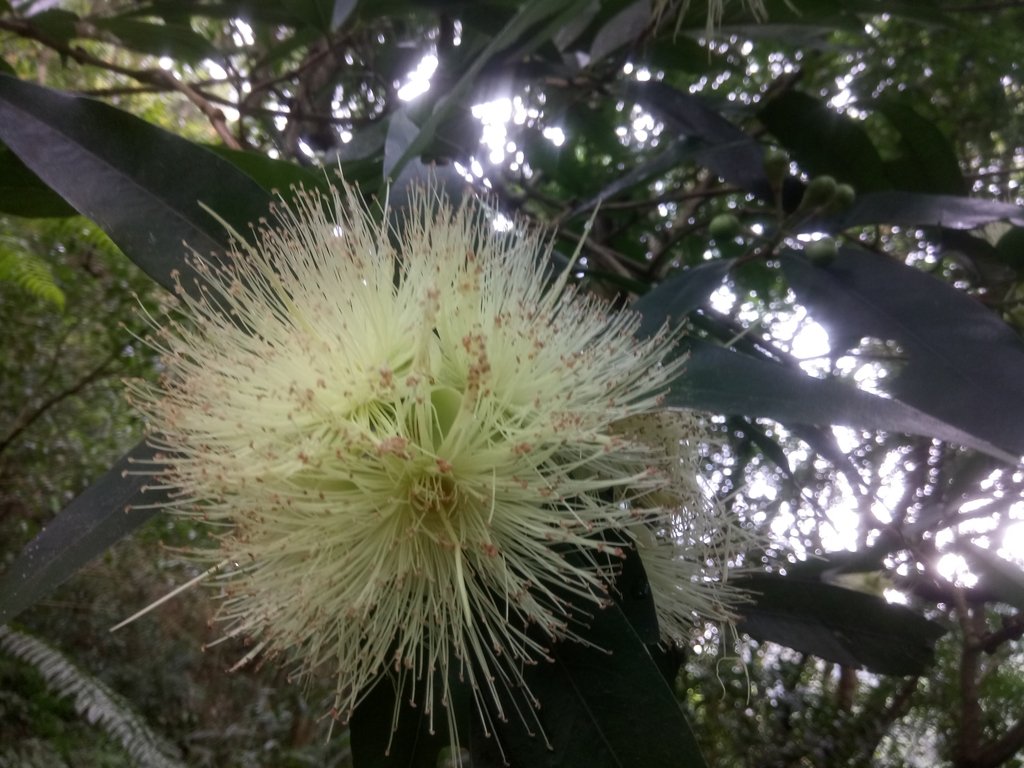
x=621, y=30
x=143, y=186
x=100, y=516
x=964, y=365
x=679, y=295
x=276, y=176
x=915, y=209
x=640, y=173
x=58, y=25
x=31, y=273
x=725, y=149
x=999, y=578
x=178, y=41
x=22, y=193
x=341, y=11
x=635, y=599
x=723, y=381
x=316, y=14
x=606, y=706
x=411, y=744
x=825, y=142
x=851, y=628
x=1010, y=249
x=927, y=153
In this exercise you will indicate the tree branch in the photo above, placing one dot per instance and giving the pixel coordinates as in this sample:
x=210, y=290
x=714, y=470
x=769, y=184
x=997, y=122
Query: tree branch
x=29, y=416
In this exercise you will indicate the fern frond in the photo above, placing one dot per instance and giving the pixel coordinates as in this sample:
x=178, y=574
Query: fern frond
x=93, y=700
x=30, y=273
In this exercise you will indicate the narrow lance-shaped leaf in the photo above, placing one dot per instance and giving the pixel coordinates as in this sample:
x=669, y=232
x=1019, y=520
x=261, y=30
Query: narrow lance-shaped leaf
x=679, y=295
x=963, y=364
x=143, y=186
x=590, y=710
x=848, y=627
x=914, y=209
x=725, y=149
x=103, y=514
x=812, y=131
x=722, y=381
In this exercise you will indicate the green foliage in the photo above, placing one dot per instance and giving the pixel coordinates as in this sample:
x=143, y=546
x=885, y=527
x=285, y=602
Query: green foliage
x=833, y=165
x=29, y=273
x=93, y=700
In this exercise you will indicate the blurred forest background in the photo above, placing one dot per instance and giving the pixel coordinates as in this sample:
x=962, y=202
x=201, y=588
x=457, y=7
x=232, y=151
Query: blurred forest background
x=756, y=154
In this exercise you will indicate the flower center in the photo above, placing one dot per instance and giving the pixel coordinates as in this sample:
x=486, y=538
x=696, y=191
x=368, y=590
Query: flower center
x=432, y=496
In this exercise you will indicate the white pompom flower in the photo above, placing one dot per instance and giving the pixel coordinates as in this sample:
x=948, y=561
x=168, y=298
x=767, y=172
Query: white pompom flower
x=409, y=440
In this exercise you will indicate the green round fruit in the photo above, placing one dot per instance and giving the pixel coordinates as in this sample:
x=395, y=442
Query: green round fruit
x=724, y=226
x=844, y=197
x=822, y=251
x=776, y=166
x=820, y=191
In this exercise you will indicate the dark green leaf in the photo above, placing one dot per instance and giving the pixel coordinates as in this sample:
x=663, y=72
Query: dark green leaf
x=726, y=150
x=997, y=577
x=621, y=30
x=1010, y=248
x=22, y=193
x=340, y=13
x=759, y=437
x=963, y=364
x=316, y=14
x=276, y=176
x=640, y=173
x=722, y=381
x=143, y=186
x=825, y=142
x=914, y=209
x=411, y=745
x=927, y=153
x=679, y=295
x=590, y=711
x=635, y=599
x=85, y=528
x=175, y=40
x=851, y=628
x=59, y=26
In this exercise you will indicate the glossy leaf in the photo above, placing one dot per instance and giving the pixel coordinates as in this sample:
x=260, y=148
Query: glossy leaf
x=277, y=176
x=679, y=295
x=916, y=209
x=175, y=40
x=848, y=627
x=963, y=364
x=997, y=577
x=928, y=162
x=621, y=30
x=411, y=744
x=340, y=12
x=722, y=381
x=640, y=173
x=22, y=193
x=56, y=24
x=143, y=186
x=1010, y=249
x=726, y=150
x=590, y=711
x=103, y=514
x=812, y=132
